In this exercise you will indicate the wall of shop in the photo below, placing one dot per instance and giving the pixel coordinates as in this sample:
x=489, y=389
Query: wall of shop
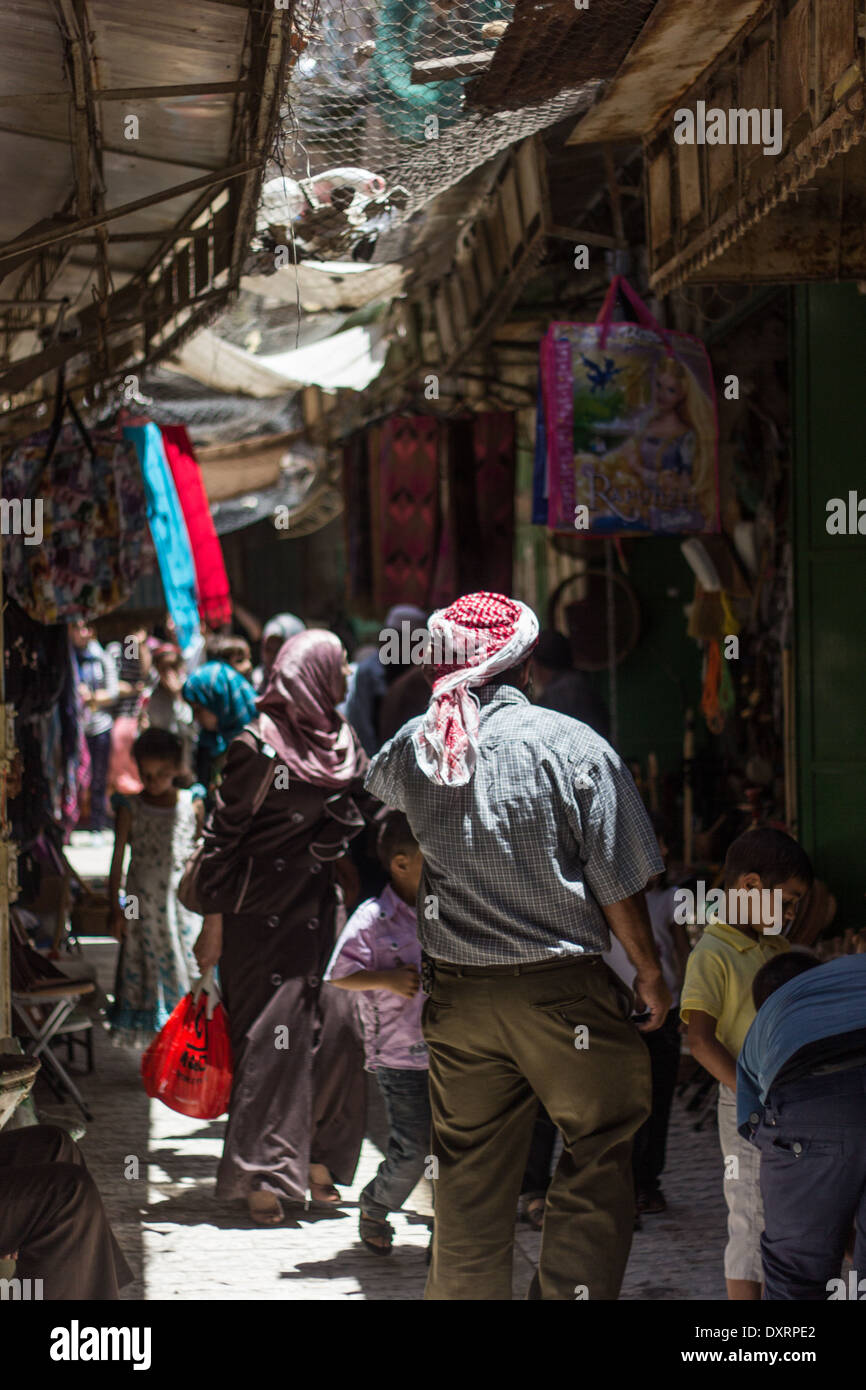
x=830, y=578
x=270, y=574
x=661, y=677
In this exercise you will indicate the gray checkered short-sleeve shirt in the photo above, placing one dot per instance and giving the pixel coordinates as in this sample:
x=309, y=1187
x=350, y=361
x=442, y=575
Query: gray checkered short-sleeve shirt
x=519, y=861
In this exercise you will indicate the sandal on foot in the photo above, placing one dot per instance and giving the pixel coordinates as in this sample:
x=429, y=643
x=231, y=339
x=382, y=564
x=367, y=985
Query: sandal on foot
x=369, y=1228
x=324, y=1193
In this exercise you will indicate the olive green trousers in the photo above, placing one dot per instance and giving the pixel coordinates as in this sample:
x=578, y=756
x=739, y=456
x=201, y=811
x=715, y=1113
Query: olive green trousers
x=500, y=1040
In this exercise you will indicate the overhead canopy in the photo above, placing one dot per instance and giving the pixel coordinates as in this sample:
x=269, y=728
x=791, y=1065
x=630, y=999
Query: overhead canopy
x=275, y=478
x=318, y=286
x=678, y=40
x=208, y=358
x=351, y=359
x=228, y=470
x=132, y=141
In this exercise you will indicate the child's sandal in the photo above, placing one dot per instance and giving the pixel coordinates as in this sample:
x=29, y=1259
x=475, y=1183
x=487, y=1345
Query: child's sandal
x=370, y=1227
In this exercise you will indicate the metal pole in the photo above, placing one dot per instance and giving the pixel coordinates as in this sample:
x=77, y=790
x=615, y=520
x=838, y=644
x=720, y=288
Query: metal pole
x=8, y=852
x=611, y=642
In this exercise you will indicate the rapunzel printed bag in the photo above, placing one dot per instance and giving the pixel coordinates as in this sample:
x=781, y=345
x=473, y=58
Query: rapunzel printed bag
x=630, y=423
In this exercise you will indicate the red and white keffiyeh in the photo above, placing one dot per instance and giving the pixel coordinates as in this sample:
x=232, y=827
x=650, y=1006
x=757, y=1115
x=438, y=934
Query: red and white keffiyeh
x=477, y=638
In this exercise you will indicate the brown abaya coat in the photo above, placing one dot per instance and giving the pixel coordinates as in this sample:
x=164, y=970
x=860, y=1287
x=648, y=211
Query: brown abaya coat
x=298, y=1090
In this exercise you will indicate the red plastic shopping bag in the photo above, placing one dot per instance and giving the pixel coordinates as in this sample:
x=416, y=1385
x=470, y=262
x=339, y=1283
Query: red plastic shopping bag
x=189, y=1065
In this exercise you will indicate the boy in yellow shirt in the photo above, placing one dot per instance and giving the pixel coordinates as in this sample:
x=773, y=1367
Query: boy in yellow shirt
x=766, y=875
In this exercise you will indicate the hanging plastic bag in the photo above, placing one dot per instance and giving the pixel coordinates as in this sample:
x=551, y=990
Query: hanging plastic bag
x=188, y=1066
x=630, y=421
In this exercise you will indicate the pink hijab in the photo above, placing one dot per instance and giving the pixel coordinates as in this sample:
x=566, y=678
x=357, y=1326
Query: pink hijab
x=297, y=712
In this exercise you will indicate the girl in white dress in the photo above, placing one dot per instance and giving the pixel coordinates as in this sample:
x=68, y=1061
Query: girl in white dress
x=161, y=825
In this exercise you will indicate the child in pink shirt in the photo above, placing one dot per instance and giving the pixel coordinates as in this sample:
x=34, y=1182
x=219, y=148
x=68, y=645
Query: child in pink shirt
x=379, y=955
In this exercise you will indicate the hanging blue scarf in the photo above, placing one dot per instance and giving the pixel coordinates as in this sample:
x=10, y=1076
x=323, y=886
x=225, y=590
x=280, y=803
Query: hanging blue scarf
x=168, y=528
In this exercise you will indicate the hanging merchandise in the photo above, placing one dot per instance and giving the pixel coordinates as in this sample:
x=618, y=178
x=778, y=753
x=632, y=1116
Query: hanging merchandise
x=717, y=697
x=78, y=542
x=214, y=603
x=630, y=416
x=169, y=532
x=404, y=458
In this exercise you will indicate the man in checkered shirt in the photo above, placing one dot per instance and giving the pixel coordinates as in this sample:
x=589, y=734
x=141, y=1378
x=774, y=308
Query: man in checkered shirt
x=536, y=845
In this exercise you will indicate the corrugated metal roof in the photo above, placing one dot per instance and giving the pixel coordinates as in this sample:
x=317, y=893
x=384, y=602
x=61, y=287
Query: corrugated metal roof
x=107, y=103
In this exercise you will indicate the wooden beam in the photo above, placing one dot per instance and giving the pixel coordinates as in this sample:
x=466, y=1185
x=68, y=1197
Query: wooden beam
x=32, y=303
x=448, y=69
x=275, y=32
x=74, y=25
x=614, y=194
x=128, y=152
x=118, y=238
x=189, y=89
x=20, y=374
x=579, y=236
x=82, y=143
x=83, y=224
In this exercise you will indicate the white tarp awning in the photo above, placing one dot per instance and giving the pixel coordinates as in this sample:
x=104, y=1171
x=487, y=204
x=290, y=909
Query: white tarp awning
x=208, y=358
x=351, y=360
x=331, y=285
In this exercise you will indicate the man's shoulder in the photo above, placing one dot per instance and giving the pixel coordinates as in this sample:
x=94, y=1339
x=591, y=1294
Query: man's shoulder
x=556, y=732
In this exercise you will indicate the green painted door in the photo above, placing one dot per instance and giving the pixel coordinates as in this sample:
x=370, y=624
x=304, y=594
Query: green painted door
x=829, y=384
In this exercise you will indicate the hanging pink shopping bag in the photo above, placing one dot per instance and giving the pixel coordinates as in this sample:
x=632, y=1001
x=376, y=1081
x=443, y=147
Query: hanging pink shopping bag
x=631, y=426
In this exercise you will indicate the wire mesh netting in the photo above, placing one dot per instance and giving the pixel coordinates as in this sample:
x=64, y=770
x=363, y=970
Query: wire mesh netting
x=365, y=147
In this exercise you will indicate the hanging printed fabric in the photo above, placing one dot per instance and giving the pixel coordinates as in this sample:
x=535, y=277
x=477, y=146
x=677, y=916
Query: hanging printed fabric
x=169, y=532
x=83, y=541
x=211, y=579
x=630, y=420
x=404, y=461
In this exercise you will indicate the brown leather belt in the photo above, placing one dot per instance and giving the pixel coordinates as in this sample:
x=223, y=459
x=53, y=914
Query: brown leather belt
x=519, y=968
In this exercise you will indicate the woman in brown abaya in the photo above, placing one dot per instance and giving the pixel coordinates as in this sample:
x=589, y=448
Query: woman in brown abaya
x=283, y=817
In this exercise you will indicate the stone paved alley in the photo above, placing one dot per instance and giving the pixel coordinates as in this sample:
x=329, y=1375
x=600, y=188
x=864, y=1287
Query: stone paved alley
x=183, y=1244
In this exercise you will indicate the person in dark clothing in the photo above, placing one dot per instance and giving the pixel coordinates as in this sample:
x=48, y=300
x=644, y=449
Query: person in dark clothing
x=378, y=672
x=405, y=699
x=557, y=686
x=97, y=689
x=52, y=1220
x=801, y=1100
x=283, y=816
